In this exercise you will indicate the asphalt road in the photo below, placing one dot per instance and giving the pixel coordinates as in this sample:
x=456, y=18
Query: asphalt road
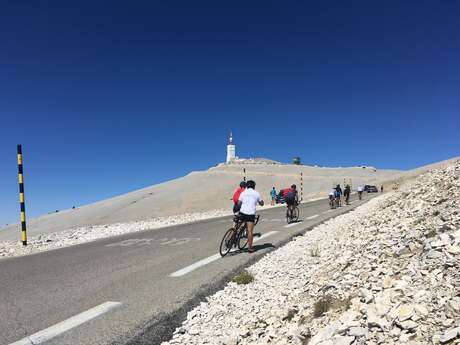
x=44, y=289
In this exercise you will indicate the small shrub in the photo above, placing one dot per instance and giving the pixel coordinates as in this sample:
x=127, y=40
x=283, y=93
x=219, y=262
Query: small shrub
x=432, y=233
x=243, y=278
x=315, y=251
x=290, y=315
x=326, y=303
x=322, y=306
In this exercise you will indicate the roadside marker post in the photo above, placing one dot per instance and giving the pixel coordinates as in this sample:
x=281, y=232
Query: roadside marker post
x=301, y=186
x=244, y=174
x=21, y=197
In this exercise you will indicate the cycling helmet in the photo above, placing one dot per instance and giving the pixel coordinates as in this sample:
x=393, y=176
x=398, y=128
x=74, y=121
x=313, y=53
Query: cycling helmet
x=293, y=186
x=243, y=184
x=251, y=184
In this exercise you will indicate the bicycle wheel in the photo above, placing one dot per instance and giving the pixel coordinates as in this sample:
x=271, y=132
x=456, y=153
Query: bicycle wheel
x=227, y=242
x=295, y=214
x=288, y=216
x=242, y=238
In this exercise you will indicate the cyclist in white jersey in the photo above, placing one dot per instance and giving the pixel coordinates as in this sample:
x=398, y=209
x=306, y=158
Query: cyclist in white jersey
x=247, y=202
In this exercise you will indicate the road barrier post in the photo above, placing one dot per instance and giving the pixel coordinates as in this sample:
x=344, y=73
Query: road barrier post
x=244, y=174
x=21, y=197
x=301, y=186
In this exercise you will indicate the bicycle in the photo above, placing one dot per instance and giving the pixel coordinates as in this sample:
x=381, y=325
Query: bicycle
x=235, y=237
x=292, y=213
x=338, y=202
x=331, y=203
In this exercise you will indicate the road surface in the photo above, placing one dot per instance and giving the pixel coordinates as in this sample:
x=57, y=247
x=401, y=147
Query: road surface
x=135, y=288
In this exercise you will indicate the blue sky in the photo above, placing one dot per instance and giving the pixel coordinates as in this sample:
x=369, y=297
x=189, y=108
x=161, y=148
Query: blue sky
x=108, y=97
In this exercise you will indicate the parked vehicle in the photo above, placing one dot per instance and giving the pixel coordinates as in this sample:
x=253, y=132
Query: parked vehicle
x=280, y=199
x=370, y=189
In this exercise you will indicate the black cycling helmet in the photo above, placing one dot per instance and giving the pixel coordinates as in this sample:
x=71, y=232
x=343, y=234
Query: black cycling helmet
x=293, y=186
x=243, y=184
x=251, y=184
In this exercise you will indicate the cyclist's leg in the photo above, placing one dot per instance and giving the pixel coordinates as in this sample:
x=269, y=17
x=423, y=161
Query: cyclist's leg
x=289, y=211
x=250, y=228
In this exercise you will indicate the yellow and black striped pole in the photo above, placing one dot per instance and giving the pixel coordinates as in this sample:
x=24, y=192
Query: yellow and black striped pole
x=21, y=197
x=301, y=186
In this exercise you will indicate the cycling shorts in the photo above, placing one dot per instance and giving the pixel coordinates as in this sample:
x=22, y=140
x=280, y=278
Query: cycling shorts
x=290, y=202
x=250, y=218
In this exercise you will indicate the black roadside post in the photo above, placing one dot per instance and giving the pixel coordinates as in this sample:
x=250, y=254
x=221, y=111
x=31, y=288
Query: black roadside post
x=244, y=174
x=21, y=197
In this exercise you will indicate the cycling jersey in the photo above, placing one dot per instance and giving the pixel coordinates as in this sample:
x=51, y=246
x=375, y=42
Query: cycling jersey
x=249, y=199
x=237, y=194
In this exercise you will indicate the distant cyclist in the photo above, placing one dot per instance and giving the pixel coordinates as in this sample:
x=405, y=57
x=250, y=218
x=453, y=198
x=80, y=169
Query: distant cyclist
x=291, y=197
x=247, y=203
x=339, y=189
x=346, y=193
x=360, y=192
x=337, y=195
x=331, y=198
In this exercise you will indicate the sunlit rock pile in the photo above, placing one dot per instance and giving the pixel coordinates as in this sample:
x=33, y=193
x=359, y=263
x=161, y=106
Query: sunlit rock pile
x=386, y=273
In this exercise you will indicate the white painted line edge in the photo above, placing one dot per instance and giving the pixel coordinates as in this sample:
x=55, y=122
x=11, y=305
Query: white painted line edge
x=64, y=326
x=313, y=217
x=209, y=259
x=292, y=224
x=194, y=266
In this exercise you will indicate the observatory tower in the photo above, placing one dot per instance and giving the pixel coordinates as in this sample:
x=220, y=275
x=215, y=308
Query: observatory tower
x=230, y=149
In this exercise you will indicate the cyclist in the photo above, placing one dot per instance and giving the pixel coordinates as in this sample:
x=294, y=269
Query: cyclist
x=331, y=198
x=360, y=192
x=346, y=193
x=337, y=195
x=247, y=203
x=235, y=198
x=236, y=195
x=291, y=198
x=339, y=189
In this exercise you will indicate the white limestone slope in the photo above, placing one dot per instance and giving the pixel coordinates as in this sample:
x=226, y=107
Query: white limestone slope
x=388, y=272
x=201, y=191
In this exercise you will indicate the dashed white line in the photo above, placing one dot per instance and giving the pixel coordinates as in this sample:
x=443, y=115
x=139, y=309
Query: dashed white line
x=292, y=224
x=210, y=259
x=64, y=326
x=328, y=211
x=312, y=217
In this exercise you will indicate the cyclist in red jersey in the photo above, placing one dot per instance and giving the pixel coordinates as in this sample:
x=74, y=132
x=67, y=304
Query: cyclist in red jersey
x=235, y=198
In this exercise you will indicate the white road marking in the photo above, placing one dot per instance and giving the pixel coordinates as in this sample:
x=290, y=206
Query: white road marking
x=313, y=217
x=64, y=326
x=328, y=211
x=210, y=259
x=292, y=224
x=149, y=241
x=277, y=220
